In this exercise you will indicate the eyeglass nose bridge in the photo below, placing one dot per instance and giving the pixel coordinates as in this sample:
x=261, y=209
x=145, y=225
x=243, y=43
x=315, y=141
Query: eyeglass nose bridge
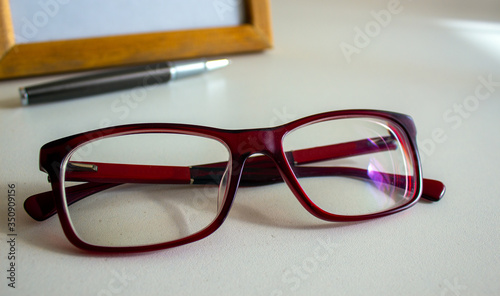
x=252, y=171
x=249, y=142
x=258, y=170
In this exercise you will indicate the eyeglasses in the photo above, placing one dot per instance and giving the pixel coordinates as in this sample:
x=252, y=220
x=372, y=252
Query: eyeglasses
x=151, y=186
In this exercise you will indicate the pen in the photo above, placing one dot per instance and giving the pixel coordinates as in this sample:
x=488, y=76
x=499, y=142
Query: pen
x=138, y=76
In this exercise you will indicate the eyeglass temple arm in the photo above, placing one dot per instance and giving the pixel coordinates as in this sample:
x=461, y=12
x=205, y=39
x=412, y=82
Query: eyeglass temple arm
x=262, y=171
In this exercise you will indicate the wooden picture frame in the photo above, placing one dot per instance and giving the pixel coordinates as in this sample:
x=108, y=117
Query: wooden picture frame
x=29, y=59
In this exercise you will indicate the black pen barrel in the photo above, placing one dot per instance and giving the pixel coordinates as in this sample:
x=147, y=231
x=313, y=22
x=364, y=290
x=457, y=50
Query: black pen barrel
x=139, y=76
x=104, y=82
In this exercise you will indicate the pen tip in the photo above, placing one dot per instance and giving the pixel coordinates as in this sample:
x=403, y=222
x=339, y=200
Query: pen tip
x=217, y=64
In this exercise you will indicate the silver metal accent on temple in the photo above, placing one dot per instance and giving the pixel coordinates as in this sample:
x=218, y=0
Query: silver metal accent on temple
x=75, y=166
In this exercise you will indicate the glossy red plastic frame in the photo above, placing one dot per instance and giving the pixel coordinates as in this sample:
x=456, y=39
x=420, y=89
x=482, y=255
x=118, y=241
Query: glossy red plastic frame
x=269, y=168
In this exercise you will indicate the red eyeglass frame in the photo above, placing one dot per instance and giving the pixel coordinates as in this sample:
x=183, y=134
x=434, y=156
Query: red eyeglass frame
x=269, y=142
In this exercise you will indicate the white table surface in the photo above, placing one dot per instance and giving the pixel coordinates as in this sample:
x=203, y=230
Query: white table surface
x=427, y=61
